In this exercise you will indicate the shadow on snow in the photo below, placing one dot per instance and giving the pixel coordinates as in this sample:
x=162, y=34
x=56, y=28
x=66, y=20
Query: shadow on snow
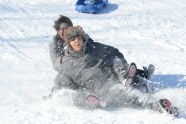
x=170, y=80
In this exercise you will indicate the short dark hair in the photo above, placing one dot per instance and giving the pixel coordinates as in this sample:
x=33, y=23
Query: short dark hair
x=60, y=20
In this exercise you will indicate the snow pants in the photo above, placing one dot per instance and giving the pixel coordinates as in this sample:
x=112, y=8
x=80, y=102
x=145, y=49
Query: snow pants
x=121, y=96
x=118, y=95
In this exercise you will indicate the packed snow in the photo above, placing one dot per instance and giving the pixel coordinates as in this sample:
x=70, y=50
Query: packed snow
x=145, y=31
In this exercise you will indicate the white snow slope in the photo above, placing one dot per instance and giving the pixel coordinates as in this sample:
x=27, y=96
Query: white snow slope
x=145, y=31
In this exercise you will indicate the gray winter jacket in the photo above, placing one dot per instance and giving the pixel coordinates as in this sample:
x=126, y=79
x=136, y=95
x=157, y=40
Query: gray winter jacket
x=56, y=51
x=92, y=67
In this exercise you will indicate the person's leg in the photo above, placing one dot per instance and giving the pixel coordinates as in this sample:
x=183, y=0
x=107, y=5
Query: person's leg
x=119, y=95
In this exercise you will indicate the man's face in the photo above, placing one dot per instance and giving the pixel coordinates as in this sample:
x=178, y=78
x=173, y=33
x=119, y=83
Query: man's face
x=77, y=43
x=61, y=30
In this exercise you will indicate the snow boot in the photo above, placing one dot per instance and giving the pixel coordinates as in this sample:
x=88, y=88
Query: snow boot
x=151, y=69
x=131, y=74
x=166, y=106
x=148, y=71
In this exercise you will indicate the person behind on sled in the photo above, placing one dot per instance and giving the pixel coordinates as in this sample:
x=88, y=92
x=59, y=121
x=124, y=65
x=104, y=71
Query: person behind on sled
x=99, y=74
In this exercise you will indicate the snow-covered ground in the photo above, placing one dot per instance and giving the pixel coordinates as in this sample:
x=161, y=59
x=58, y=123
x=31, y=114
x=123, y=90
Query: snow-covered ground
x=145, y=31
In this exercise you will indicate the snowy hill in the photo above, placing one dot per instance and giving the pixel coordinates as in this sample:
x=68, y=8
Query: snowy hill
x=145, y=31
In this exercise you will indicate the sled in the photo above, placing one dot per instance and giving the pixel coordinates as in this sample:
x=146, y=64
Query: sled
x=90, y=6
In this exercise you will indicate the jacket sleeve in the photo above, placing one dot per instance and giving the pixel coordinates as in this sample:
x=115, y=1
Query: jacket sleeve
x=56, y=61
x=117, y=62
x=63, y=80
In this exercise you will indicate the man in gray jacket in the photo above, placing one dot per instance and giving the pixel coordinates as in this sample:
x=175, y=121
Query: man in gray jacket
x=98, y=71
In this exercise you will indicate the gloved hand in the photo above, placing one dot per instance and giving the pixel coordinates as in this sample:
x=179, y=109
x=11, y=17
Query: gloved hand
x=120, y=68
